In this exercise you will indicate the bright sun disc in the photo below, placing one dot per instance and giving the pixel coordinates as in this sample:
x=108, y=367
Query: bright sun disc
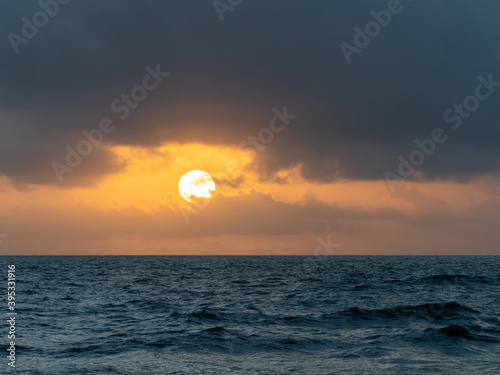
x=196, y=183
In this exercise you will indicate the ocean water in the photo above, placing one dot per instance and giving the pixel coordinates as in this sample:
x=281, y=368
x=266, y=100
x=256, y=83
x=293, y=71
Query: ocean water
x=255, y=315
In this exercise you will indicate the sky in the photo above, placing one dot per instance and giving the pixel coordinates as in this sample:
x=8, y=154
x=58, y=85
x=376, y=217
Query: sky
x=329, y=127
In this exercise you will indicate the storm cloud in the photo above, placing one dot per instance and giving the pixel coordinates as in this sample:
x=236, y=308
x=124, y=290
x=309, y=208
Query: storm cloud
x=353, y=119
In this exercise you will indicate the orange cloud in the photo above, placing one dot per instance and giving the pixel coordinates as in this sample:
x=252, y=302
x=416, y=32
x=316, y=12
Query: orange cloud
x=140, y=211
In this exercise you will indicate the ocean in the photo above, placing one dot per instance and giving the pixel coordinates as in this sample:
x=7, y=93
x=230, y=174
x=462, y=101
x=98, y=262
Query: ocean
x=254, y=315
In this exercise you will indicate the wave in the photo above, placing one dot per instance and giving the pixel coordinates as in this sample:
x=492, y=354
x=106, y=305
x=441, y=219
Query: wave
x=456, y=278
x=201, y=315
x=447, y=310
x=443, y=279
x=467, y=332
x=215, y=329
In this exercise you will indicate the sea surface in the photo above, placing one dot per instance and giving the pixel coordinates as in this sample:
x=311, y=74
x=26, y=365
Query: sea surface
x=254, y=315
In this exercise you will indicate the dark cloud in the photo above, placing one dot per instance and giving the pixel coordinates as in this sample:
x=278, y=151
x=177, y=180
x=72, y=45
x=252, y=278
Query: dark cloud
x=353, y=120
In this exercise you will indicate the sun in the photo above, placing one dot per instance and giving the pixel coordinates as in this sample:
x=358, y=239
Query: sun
x=196, y=183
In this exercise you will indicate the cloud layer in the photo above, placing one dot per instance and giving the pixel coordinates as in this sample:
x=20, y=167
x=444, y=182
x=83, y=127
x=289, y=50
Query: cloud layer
x=353, y=120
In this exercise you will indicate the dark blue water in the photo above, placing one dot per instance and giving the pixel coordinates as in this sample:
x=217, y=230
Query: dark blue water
x=255, y=315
